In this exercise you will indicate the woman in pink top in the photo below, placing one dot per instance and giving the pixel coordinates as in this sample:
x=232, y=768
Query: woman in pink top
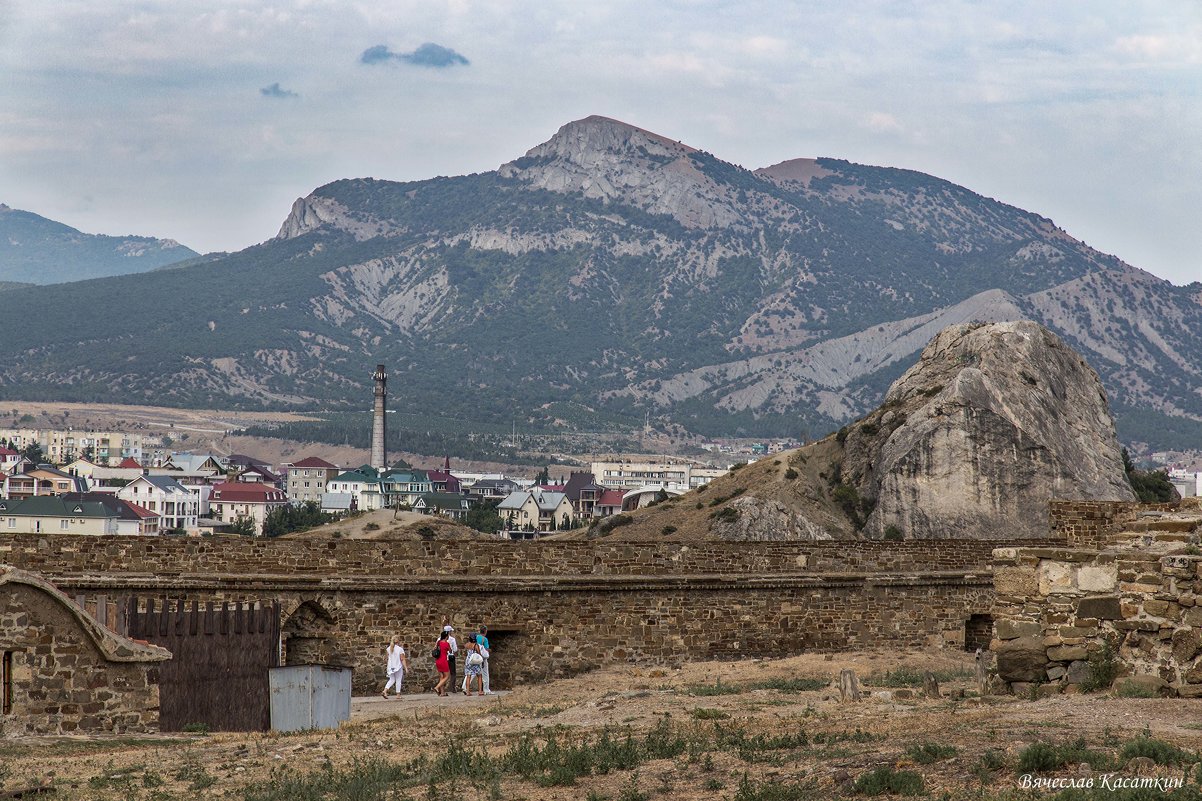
x=443, y=664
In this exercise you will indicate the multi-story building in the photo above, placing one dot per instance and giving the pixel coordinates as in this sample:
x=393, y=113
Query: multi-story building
x=673, y=475
x=535, y=510
x=178, y=506
x=362, y=484
x=64, y=445
x=42, y=479
x=307, y=479
x=236, y=499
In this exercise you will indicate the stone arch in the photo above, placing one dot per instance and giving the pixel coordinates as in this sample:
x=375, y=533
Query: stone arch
x=308, y=635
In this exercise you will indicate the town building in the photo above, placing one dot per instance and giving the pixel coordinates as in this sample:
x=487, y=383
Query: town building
x=177, y=505
x=675, y=475
x=536, y=510
x=307, y=479
x=362, y=484
x=55, y=514
x=448, y=504
x=64, y=445
x=232, y=500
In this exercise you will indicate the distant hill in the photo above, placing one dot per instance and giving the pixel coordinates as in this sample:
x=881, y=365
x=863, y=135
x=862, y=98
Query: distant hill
x=608, y=274
x=36, y=250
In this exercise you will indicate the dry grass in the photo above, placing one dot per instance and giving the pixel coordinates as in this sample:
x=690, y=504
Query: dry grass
x=631, y=730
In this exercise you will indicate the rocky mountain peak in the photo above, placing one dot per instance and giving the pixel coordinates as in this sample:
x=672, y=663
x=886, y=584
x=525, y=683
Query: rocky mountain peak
x=608, y=159
x=992, y=422
x=794, y=171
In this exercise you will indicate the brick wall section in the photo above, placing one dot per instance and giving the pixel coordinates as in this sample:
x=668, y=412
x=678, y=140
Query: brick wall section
x=55, y=555
x=1089, y=524
x=61, y=683
x=554, y=608
x=1060, y=605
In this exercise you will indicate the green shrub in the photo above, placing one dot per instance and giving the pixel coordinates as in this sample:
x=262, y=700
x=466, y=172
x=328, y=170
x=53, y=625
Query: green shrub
x=770, y=790
x=887, y=780
x=717, y=688
x=1103, y=669
x=1040, y=757
x=893, y=533
x=1158, y=751
x=726, y=515
x=791, y=474
x=788, y=685
x=702, y=713
x=667, y=530
x=930, y=753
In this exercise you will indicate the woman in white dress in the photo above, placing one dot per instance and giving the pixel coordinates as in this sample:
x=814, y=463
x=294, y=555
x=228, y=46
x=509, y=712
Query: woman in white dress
x=396, y=666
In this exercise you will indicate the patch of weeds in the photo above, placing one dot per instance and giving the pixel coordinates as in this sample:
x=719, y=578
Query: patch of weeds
x=1132, y=690
x=1041, y=757
x=772, y=791
x=631, y=791
x=1103, y=669
x=713, y=785
x=717, y=688
x=788, y=685
x=886, y=780
x=701, y=713
x=930, y=753
x=727, y=515
x=362, y=779
x=667, y=530
x=195, y=728
x=737, y=466
x=988, y=765
x=791, y=474
x=835, y=737
x=1158, y=751
x=756, y=748
x=593, y=795
x=893, y=533
x=906, y=676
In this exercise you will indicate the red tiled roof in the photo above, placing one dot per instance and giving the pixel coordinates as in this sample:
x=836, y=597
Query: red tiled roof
x=9, y=452
x=243, y=492
x=313, y=461
x=611, y=498
x=142, y=512
x=130, y=461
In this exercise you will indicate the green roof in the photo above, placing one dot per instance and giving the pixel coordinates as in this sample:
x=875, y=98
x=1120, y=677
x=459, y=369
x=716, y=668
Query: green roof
x=442, y=500
x=53, y=506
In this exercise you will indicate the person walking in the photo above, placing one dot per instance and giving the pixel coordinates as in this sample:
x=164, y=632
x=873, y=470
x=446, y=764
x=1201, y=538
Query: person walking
x=396, y=663
x=486, y=652
x=448, y=630
x=473, y=665
x=442, y=655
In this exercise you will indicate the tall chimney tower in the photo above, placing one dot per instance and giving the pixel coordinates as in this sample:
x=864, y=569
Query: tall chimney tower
x=378, y=459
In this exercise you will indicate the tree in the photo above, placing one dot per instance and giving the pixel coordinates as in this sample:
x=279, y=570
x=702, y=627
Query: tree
x=34, y=453
x=484, y=518
x=544, y=477
x=1150, y=486
x=244, y=526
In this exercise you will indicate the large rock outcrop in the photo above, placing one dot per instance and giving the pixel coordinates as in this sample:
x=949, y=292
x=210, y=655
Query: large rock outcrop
x=974, y=440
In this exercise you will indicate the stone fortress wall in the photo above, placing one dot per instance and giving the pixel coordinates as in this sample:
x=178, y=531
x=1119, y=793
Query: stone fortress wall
x=553, y=608
x=1126, y=586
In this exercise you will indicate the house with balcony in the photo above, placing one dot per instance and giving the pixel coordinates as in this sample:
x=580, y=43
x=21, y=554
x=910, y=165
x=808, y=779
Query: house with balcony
x=178, y=506
x=232, y=500
x=535, y=510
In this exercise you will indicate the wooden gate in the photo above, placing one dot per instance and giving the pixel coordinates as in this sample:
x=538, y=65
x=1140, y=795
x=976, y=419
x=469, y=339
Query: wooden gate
x=217, y=674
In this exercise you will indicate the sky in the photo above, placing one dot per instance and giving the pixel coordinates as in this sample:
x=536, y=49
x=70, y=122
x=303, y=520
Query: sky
x=204, y=121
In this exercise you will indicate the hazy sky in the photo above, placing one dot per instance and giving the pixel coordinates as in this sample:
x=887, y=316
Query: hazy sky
x=204, y=121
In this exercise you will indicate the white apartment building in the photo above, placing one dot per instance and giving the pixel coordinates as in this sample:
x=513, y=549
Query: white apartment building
x=177, y=506
x=633, y=475
x=64, y=445
x=1189, y=485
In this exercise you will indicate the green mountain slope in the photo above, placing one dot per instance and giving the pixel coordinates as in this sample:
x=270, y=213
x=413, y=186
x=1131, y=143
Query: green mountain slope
x=608, y=273
x=36, y=250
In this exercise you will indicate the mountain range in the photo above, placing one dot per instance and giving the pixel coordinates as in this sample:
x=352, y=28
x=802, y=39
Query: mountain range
x=35, y=250
x=609, y=273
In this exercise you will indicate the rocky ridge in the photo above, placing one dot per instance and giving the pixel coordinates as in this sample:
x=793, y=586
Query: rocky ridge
x=782, y=301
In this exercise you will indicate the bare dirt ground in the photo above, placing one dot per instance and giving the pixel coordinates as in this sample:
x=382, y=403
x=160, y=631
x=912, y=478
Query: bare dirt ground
x=743, y=730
